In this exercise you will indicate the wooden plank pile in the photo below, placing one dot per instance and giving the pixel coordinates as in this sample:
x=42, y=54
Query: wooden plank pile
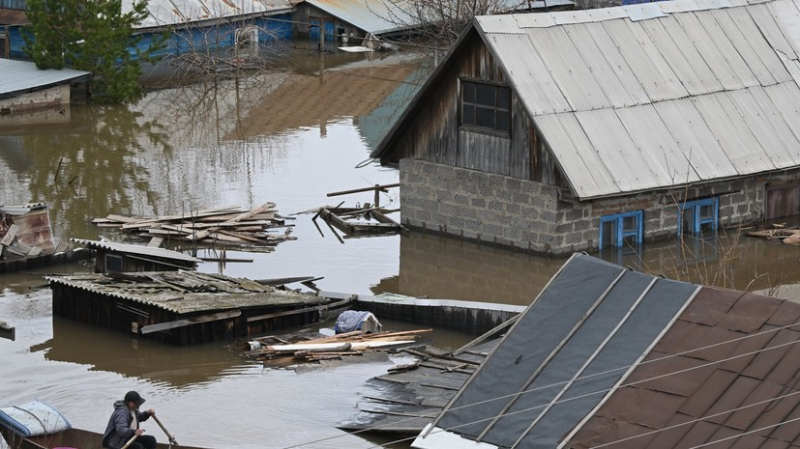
x=281, y=352
x=227, y=225
x=788, y=235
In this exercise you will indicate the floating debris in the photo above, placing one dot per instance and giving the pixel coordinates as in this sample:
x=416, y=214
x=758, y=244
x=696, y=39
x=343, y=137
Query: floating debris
x=778, y=231
x=360, y=220
x=227, y=225
x=309, y=347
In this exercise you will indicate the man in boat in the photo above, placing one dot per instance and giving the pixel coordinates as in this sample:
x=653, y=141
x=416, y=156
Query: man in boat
x=124, y=424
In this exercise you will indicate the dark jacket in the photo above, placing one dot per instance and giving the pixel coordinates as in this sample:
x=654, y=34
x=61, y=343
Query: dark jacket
x=118, y=431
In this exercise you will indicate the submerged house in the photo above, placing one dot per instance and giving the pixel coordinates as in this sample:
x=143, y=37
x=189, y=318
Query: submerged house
x=609, y=357
x=190, y=25
x=577, y=130
x=125, y=257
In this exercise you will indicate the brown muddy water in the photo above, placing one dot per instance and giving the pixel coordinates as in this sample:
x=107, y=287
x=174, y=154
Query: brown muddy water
x=288, y=137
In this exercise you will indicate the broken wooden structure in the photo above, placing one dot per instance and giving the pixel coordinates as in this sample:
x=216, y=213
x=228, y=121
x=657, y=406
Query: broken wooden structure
x=7, y=331
x=789, y=235
x=184, y=308
x=293, y=349
x=220, y=226
x=124, y=257
x=26, y=240
x=362, y=220
x=410, y=395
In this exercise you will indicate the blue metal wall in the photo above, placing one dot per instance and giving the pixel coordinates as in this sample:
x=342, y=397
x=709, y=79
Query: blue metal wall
x=193, y=39
x=13, y=4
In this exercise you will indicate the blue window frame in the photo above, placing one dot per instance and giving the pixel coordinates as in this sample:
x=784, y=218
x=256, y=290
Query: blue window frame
x=698, y=216
x=624, y=229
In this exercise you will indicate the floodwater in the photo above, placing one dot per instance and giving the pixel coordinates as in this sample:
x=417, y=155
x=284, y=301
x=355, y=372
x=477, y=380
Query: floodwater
x=291, y=138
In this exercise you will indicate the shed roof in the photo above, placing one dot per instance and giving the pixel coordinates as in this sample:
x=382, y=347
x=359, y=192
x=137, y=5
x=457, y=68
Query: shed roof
x=178, y=12
x=185, y=292
x=586, y=362
x=373, y=16
x=161, y=253
x=656, y=95
x=20, y=77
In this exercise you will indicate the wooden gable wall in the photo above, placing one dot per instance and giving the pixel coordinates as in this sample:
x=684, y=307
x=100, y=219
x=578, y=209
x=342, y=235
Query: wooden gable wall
x=432, y=132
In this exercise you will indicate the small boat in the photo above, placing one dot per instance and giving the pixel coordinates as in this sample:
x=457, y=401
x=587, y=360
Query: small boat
x=37, y=425
x=66, y=439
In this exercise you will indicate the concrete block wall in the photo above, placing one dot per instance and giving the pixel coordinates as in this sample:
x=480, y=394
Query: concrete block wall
x=528, y=215
x=479, y=206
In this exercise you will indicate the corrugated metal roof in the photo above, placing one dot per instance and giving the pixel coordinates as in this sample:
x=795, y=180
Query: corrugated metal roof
x=176, y=12
x=186, y=292
x=21, y=76
x=161, y=253
x=592, y=322
x=711, y=73
x=373, y=16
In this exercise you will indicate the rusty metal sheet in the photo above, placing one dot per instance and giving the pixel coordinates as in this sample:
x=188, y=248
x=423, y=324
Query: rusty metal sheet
x=698, y=434
x=744, y=418
x=682, y=335
x=787, y=369
x=603, y=430
x=634, y=405
x=737, y=362
x=693, y=375
x=765, y=361
x=750, y=315
x=670, y=438
x=786, y=409
x=787, y=313
x=708, y=393
x=709, y=306
x=732, y=398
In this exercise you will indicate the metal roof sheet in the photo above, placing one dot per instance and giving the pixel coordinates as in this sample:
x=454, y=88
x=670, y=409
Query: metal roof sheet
x=373, y=16
x=21, y=76
x=176, y=12
x=186, y=292
x=162, y=253
x=591, y=323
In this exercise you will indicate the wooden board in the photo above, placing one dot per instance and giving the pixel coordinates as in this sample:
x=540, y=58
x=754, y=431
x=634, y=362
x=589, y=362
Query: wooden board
x=10, y=235
x=149, y=329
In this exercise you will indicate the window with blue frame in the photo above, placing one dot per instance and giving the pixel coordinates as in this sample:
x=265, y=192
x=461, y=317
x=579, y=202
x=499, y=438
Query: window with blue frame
x=626, y=229
x=698, y=216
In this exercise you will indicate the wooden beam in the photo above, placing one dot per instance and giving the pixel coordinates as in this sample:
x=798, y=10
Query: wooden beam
x=150, y=328
x=10, y=235
x=332, y=305
x=364, y=189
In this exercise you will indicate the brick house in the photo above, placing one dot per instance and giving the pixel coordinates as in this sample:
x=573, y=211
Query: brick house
x=577, y=130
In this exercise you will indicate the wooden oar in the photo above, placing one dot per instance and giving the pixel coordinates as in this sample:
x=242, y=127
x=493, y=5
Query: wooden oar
x=169, y=435
x=130, y=442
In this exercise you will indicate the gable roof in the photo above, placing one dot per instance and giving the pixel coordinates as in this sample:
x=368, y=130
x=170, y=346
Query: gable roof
x=589, y=359
x=656, y=95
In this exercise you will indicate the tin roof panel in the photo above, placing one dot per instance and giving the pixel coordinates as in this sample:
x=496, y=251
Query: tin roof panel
x=177, y=12
x=162, y=253
x=373, y=16
x=22, y=76
x=571, y=73
x=527, y=75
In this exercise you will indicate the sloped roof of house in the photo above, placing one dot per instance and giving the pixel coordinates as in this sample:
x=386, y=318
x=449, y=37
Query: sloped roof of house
x=20, y=77
x=373, y=16
x=607, y=357
x=182, y=12
x=655, y=95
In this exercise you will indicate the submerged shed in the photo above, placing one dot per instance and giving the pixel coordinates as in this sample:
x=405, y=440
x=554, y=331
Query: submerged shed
x=608, y=357
x=181, y=308
x=23, y=87
x=119, y=257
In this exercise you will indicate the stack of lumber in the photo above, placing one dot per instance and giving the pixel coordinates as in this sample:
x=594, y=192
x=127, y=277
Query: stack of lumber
x=276, y=352
x=226, y=225
x=788, y=235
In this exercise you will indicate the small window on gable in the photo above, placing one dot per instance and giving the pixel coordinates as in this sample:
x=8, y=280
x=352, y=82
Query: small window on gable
x=698, y=217
x=624, y=229
x=486, y=107
x=113, y=263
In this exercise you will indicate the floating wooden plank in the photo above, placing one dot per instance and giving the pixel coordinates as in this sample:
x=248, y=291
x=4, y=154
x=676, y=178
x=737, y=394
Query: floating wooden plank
x=155, y=242
x=149, y=329
x=35, y=251
x=10, y=235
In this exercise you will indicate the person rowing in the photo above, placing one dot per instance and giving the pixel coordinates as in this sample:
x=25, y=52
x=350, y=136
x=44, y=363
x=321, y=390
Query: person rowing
x=124, y=424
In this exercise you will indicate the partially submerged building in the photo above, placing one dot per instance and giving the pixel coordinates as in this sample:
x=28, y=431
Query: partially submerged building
x=576, y=130
x=23, y=87
x=181, y=308
x=609, y=357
